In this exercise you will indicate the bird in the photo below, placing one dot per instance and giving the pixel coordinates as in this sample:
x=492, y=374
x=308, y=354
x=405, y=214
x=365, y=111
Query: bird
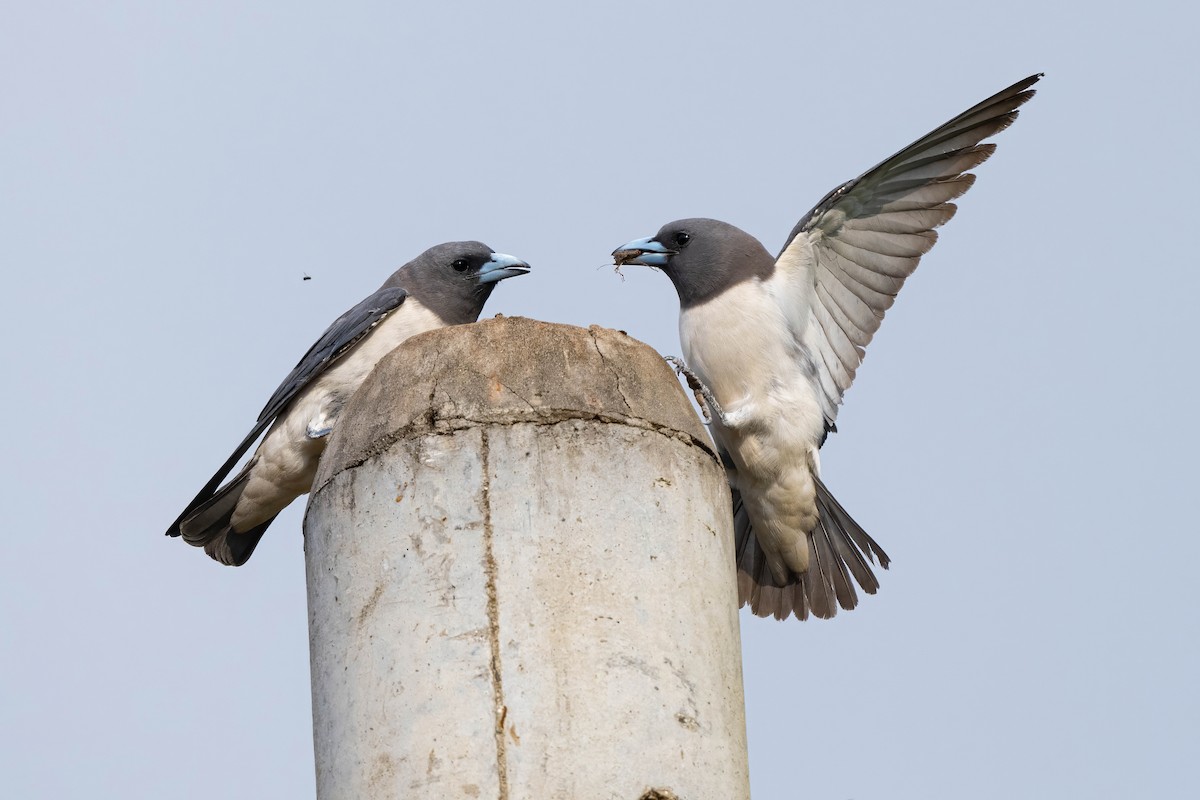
x=446, y=285
x=772, y=344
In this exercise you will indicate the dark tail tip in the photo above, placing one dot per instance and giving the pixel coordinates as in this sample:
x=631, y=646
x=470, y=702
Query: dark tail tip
x=234, y=549
x=209, y=525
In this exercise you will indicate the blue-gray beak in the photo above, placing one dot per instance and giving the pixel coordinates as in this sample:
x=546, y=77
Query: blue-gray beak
x=501, y=266
x=648, y=252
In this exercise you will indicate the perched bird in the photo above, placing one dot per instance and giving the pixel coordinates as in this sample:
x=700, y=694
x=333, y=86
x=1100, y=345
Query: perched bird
x=446, y=285
x=772, y=344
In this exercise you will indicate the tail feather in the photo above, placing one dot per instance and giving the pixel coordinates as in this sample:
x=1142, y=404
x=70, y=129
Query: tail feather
x=211, y=488
x=820, y=575
x=209, y=525
x=833, y=565
x=234, y=549
x=756, y=586
x=827, y=504
x=750, y=557
x=851, y=558
x=839, y=550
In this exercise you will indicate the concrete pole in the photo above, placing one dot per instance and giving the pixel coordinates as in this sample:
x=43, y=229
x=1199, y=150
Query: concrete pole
x=521, y=580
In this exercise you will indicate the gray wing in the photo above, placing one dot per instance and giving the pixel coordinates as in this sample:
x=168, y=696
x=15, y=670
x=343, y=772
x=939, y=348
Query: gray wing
x=845, y=261
x=338, y=339
x=345, y=332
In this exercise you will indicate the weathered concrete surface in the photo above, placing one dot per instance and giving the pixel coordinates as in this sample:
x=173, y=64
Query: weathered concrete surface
x=506, y=370
x=521, y=577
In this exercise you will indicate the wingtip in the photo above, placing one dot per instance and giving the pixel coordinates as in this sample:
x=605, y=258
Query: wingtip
x=1022, y=88
x=1016, y=95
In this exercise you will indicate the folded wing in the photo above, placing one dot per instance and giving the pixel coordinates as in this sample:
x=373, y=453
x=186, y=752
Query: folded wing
x=346, y=331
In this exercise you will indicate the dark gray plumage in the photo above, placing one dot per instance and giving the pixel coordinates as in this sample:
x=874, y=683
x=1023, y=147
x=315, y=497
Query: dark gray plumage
x=775, y=343
x=446, y=285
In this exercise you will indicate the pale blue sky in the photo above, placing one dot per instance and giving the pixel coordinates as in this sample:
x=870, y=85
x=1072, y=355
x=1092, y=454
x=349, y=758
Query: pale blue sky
x=1020, y=438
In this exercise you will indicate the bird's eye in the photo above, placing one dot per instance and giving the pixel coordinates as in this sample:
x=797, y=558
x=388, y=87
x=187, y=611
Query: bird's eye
x=461, y=265
x=682, y=238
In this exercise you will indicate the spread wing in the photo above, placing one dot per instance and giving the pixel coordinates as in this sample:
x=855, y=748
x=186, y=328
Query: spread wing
x=338, y=339
x=845, y=261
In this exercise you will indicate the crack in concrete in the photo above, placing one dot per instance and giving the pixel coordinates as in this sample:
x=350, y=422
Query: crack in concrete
x=432, y=425
x=517, y=394
x=493, y=612
x=604, y=359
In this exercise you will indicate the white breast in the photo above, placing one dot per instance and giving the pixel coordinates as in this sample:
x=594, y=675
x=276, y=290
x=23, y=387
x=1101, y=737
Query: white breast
x=740, y=344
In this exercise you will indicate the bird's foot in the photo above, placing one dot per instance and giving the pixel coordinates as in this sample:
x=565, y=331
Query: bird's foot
x=317, y=430
x=321, y=425
x=704, y=396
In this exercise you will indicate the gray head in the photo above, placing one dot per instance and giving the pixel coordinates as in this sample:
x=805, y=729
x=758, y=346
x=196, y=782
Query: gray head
x=702, y=257
x=454, y=280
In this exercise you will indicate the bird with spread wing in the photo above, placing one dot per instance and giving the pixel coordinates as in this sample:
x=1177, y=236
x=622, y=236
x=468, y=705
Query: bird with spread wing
x=774, y=343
